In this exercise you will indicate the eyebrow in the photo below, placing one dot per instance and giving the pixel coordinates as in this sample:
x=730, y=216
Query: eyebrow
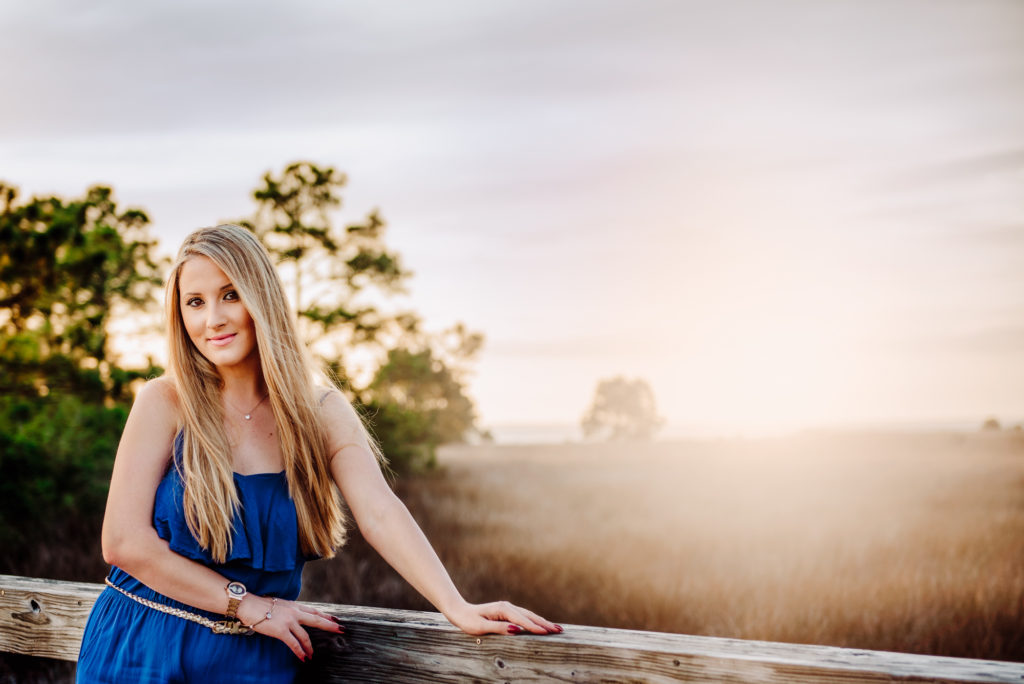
x=223, y=287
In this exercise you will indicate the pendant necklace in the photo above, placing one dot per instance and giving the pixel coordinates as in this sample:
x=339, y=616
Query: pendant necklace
x=248, y=415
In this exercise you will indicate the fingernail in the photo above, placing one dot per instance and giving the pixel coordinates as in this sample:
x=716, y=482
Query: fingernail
x=514, y=629
x=335, y=618
x=558, y=627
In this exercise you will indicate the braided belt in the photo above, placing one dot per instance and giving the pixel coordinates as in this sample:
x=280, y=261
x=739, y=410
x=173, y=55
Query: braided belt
x=218, y=626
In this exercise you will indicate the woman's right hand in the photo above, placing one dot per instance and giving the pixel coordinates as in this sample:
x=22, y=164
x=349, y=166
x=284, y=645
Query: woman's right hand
x=287, y=623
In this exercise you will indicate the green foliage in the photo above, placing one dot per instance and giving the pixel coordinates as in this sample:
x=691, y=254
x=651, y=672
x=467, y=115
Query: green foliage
x=56, y=454
x=405, y=435
x=622, y=409
x=415, y=399
x=413, y=404
x=418, y=382
x=64, y=265
x=293, y=220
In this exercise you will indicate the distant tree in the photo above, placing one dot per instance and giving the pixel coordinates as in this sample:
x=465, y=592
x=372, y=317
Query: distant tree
x=990, y=424
x=64, y=265
x=622, y=409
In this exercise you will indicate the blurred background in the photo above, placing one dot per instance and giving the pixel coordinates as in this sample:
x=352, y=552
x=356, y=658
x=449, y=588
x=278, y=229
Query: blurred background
x=662, y=280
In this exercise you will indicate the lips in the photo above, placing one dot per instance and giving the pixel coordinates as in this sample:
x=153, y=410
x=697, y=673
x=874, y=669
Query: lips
x=222, y=340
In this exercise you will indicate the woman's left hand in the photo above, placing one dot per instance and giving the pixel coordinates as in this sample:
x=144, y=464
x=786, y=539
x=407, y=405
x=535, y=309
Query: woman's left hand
x=499, y=617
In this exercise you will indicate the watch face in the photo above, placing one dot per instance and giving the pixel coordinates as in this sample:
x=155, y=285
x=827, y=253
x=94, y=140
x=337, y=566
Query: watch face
x=236, y=589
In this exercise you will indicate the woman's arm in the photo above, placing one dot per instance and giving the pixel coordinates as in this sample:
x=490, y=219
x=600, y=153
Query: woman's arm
x=387, y=525
x=130, y=542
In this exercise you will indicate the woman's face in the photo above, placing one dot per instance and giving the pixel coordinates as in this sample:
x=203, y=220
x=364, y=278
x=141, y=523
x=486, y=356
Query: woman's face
x=215, y=318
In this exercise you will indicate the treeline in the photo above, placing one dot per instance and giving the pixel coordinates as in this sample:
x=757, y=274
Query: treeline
x=69, y=265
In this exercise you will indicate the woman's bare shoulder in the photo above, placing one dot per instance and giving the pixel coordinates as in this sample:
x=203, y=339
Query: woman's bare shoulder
x=340, y=418
x=158, y=402
x=332, y=402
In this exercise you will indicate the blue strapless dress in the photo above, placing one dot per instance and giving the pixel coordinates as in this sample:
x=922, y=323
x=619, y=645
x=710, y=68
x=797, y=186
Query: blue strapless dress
x=127, y=641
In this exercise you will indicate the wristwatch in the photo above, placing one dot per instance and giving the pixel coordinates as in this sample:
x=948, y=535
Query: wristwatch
x=236, y=592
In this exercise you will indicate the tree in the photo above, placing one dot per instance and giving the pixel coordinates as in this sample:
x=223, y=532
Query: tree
x=327, y=270
x=56, y=454
x=417, y=396
x=420, y=382
x=421, y=375
x=622, y=409
x=64, y=265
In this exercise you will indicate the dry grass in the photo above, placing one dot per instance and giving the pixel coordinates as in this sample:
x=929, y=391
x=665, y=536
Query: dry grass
x=894, y=542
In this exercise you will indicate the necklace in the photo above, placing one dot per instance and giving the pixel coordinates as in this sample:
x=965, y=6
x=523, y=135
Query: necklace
x=248, y=414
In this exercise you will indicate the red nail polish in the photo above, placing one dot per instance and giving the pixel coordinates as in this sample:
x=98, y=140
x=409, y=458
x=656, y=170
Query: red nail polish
x=514, y=629
x=558, y=627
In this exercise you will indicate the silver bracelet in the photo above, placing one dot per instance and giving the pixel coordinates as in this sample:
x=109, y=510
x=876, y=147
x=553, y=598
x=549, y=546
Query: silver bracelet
x=270, y=613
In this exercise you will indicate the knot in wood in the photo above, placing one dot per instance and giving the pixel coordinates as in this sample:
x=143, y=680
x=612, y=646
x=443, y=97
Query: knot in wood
x=34, y=616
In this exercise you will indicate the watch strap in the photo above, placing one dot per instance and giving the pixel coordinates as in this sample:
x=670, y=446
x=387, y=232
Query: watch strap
x=234, y=598
x=232, y=607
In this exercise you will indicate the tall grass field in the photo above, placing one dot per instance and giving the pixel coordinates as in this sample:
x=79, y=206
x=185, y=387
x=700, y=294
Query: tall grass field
x=901, y=542
x=905, y=542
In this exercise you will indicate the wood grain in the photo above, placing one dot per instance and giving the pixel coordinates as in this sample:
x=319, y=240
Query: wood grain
x=46, y=618
x=43, y=617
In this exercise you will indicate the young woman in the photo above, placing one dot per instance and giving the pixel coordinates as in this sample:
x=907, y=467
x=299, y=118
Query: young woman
x=227, y=480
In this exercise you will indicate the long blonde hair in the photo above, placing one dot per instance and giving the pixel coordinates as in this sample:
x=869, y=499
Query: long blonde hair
x=291, y=377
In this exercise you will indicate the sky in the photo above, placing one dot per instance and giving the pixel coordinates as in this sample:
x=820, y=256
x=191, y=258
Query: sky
x=780, y=214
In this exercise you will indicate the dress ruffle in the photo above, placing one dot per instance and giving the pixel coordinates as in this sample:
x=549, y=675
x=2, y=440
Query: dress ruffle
x=264, y=533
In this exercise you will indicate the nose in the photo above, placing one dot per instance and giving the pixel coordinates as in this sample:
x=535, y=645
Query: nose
x=215, y=317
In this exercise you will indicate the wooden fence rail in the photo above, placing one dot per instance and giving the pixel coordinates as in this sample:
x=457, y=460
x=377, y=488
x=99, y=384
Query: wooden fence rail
x=46, y=618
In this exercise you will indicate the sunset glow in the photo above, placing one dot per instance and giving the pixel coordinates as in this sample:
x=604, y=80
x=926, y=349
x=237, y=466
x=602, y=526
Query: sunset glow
x=780, y=215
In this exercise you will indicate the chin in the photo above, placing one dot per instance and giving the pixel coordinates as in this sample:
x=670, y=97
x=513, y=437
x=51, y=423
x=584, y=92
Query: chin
x=230, y=359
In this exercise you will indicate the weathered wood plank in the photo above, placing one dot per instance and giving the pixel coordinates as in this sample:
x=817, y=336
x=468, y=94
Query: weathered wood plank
x=374, y=649
x=43, y=617
x=46, y=618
